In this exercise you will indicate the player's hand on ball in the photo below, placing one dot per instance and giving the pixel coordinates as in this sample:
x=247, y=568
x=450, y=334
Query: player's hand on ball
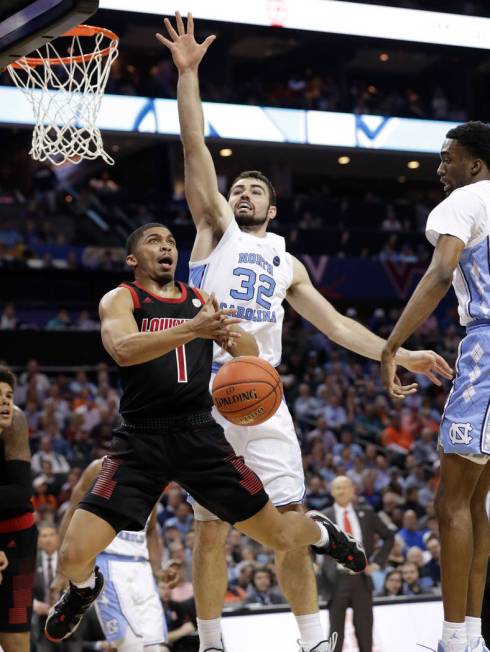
x=211, y=323
x=187, y=53
x=4, y=562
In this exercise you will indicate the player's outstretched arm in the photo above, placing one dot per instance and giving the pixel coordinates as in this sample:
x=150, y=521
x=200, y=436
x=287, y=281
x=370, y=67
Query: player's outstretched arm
x=428, y=293
x=346, y=332
x=127, y=346
x=210, y=210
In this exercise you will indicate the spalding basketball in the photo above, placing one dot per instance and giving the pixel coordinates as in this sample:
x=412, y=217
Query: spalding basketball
x=247, y=391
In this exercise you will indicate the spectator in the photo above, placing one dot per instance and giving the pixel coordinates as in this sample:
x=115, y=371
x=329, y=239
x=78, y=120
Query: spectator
x=432, y=569
x=347, y=442
x=46, y=453
x=183, y=590
x=411, y=580
x=183, y=519
x=323, y=434
x=392, y=585
x=85, y=322
x=410, y=533
x=305, y=406
x=8, y=320
x=317, y=497
x=44, y=183
x=61, y=322
x=262, y=588
x=334, y=413
x=34, y=378
x=180, y=617
x=42, y=495
x=395, y=437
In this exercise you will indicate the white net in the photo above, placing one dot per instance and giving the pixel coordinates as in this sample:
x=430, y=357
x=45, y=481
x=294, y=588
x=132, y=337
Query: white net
x=65, y=93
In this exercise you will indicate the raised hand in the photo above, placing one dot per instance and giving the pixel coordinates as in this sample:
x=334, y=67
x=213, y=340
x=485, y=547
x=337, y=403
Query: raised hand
x=187, y=53
x=211, y=323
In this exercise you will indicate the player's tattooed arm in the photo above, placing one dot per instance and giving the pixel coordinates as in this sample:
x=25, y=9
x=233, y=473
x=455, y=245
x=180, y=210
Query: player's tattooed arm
x=210, y=210
x=16, y=438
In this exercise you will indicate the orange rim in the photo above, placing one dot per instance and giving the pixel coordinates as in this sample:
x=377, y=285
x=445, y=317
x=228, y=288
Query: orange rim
x=80, y=30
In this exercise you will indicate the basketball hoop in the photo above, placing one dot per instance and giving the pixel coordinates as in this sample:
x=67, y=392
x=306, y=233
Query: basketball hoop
x=66, y=92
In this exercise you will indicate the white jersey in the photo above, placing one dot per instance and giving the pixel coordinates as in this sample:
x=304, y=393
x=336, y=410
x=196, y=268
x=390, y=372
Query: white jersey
x=129, y=544
x=466, y=215
x=251, y=274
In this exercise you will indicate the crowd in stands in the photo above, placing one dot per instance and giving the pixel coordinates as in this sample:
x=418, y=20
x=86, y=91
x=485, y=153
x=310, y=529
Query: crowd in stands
x=50, y=228
x=308, y=88
x=345, y=425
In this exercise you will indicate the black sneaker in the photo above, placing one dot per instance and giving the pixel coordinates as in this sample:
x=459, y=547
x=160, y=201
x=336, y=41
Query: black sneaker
x=65, y=616
x=342, y=546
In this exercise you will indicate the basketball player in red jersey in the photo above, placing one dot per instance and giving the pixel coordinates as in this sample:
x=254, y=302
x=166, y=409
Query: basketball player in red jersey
x=18, y=533
x=160, y=333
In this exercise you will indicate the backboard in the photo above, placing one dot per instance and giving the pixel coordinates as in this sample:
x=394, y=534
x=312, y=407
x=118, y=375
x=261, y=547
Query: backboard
x=26, y=25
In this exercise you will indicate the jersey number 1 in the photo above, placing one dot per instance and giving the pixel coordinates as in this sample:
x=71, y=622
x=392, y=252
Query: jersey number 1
x=181, y=364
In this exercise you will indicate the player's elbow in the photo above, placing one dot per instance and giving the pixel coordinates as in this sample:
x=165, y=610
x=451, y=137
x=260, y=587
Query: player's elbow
x=442, y=274
x=121, y=354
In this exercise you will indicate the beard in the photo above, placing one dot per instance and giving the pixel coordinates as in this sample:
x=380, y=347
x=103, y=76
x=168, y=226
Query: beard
x=250, y=220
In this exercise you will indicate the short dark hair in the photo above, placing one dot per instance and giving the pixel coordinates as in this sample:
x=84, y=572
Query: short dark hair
x=137, y=234
x=262, y=569
x=474, y=136
x=6, y=376
x=257, y=174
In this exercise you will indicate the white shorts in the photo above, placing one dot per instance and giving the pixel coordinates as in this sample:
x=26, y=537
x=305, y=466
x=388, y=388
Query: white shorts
x=272, y=451
x=129, y=600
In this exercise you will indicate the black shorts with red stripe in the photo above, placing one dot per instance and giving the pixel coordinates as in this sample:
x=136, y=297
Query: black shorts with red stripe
x=191, y=450
x=20, y=546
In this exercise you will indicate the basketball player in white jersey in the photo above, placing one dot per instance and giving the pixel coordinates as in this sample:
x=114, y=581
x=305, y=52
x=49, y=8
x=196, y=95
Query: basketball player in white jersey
x=459, y=229
x=129, y=608
x=249, y=269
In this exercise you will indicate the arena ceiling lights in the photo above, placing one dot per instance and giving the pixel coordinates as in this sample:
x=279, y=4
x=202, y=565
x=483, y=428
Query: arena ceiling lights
x=329, y=16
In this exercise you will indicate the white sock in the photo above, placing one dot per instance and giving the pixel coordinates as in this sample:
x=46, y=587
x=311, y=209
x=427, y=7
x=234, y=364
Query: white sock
x=473, y=629
x=454, y=636
x=324, y=539
x=89, y=583
x=311, y=632
x=209, y=633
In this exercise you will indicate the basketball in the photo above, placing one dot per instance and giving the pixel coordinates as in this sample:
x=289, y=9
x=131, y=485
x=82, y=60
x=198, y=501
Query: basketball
x=247, y=391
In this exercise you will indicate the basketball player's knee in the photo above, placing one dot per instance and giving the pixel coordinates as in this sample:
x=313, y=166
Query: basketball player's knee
x=210, y=535
x=283, y=539
x=15, y=642
x=451, y=512
x=296, y=557
x=71, y=557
